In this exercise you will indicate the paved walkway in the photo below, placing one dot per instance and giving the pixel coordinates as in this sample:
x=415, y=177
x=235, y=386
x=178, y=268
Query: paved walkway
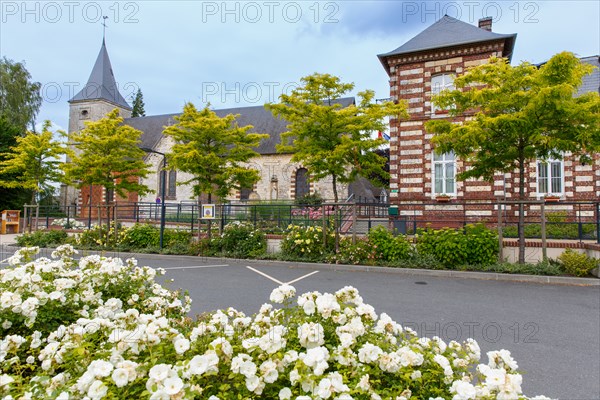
x=10, y=238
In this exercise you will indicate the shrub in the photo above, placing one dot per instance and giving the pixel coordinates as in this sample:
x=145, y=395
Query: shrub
x=140, y=236
x=389, y=248
x=577, y=264
x=101, y=236
x=349, y=253
x=42, y=239
x=548, y=268
x=240, y=239
x=311, y=199
x=306, y=242
x=68, y=223
x=474, y=245
x=140, y=344
x=67, y=290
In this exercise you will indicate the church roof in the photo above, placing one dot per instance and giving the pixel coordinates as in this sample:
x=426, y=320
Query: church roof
x=101, y=84
x=260, y=118
x=449, y=32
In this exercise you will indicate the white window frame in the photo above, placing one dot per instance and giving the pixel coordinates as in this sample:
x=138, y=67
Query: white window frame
x=444, y=161
x=447, y=83
x=550, y=176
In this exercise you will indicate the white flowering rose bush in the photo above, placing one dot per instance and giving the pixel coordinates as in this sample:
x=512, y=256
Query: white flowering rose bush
x=141, y=345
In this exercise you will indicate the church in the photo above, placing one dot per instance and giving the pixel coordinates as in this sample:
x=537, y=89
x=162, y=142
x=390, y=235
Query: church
x=280, y=178
x=417, y=70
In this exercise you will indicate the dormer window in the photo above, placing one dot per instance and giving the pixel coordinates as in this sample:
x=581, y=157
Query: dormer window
x=438, y=83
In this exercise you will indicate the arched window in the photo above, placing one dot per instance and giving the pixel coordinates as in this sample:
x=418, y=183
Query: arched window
x=172, y=184
x=245, y=193
x=302, y=185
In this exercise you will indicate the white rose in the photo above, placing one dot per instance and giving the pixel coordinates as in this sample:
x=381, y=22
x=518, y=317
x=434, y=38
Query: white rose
x=120, y=376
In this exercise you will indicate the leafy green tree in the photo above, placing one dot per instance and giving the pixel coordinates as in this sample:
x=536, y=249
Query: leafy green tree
x=10, y=198
x=212, y=149
x=107, y=154
x=33, y=163
x=138, y=105
x=20, y=99
x=331, y=140
x=521, y=114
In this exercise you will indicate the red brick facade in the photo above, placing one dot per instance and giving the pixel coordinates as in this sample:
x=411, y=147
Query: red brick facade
x=411, y=152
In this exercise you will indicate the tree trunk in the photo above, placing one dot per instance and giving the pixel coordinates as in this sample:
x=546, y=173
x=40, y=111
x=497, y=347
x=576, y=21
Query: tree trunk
x=521, y=225
x=335, y=193
x=209, y=231
x=335, y=215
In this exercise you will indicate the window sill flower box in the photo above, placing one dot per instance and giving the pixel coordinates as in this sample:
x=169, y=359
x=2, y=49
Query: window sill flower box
x=442, y=198
x=551, y=199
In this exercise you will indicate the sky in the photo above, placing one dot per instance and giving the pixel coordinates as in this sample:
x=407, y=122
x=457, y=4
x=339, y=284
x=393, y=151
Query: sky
x=246, y=53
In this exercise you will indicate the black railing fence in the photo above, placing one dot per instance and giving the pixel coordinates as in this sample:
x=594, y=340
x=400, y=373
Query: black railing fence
x=563, y=220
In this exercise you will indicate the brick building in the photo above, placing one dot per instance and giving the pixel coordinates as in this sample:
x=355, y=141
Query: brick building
x=424, y=66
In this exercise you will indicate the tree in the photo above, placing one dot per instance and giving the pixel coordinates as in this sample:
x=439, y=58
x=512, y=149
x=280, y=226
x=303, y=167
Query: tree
x=212, y=149
x=331, y=140
x=521, y=113
x=20, y=99
x=138, y=105
x=10, y=198
x=33, y=163
x=107, y=155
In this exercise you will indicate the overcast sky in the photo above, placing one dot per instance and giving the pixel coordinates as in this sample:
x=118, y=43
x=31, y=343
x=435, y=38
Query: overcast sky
x=246, y=53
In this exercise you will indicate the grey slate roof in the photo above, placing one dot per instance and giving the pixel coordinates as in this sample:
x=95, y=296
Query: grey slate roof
x=260, y=118
x=591, y=83
x=449, y=32
x=101, y=83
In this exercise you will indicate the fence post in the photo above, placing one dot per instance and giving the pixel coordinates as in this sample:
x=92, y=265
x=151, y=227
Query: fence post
x=47, y=217
x=579, y=224
x=544, y=249
x=598, y=222
x=324, y=226
x=192, y=225
x=500, y=237
x=354, y=223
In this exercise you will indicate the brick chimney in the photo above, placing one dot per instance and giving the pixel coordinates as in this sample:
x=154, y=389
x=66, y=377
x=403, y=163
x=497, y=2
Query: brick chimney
x=486, y=23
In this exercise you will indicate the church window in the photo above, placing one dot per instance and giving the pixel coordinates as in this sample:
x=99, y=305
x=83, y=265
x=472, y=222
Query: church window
x=302, y=184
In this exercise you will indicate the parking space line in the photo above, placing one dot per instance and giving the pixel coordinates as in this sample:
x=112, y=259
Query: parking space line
x=265, y=275
x=302, y=277
x=197, y=266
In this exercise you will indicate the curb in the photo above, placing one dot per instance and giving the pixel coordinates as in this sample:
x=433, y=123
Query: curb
x=489, y=276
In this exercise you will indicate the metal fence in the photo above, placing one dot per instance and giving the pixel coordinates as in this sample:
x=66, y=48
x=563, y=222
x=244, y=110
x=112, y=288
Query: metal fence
x=560, y=220
x=563, y=220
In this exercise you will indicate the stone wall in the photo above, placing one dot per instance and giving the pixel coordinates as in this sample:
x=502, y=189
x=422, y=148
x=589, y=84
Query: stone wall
x=269, y=166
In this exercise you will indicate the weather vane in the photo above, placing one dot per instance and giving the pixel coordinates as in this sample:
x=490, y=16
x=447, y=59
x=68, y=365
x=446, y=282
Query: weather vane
x=104, y=17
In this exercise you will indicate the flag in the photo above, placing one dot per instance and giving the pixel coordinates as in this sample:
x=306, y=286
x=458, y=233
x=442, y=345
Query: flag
x=385, y=136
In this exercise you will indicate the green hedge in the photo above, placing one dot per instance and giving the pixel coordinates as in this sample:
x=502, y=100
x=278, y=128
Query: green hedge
x=473, y=245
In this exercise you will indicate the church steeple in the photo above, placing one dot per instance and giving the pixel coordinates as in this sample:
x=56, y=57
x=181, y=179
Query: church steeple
x=101, y=84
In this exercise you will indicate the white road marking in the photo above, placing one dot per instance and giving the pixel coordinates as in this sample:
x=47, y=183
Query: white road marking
x=265, y=275
x=277, y=280
x=302, y=277
x=198, y=266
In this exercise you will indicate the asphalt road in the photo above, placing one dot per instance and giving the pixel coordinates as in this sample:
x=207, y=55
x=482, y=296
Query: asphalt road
x=553, y=331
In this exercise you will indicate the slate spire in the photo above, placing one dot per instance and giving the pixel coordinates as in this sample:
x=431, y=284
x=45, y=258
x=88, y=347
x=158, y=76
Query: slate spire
x=101, y=84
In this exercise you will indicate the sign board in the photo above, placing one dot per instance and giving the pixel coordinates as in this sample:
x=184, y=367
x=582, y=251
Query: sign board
x=208, y=211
